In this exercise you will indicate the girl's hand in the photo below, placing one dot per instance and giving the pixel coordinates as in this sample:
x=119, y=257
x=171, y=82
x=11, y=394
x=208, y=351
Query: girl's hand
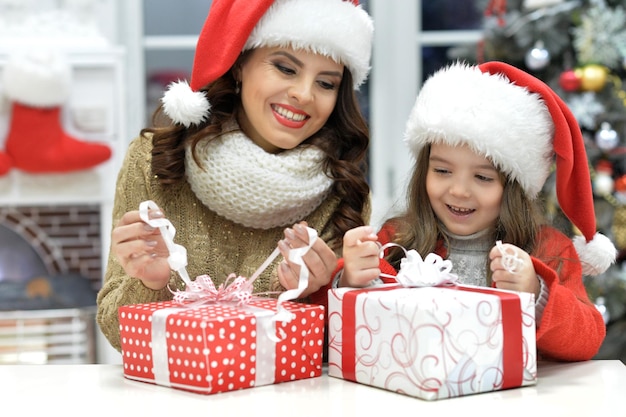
x=140, y=249
x=513, y=269
x=319, y=259
x=361, y=260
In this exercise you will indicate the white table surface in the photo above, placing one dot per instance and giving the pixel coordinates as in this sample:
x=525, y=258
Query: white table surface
x=593, y=388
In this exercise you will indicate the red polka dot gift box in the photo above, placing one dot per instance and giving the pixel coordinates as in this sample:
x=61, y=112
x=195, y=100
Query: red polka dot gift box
x=219, y=347
x=432, y=342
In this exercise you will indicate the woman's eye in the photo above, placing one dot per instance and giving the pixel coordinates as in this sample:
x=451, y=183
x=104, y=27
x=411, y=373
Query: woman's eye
x=327, y=85
x=284, y=69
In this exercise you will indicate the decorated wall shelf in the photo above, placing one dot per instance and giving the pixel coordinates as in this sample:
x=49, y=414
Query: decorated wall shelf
x=93, y=113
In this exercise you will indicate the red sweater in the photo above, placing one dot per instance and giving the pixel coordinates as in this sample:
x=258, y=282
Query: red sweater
x=571, y=328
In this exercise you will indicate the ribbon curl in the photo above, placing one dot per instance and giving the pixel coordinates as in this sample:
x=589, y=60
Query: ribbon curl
x=510, y=260
x=178, y=253
x=431, y=271
x=236, y=288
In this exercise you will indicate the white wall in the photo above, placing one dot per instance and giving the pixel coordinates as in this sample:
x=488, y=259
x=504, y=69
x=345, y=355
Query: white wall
x=393, y=88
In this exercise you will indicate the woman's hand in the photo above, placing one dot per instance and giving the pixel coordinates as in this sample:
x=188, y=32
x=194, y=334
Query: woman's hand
x=319, y=259
x=361, y=257
x=513, y=269
x=140, y=249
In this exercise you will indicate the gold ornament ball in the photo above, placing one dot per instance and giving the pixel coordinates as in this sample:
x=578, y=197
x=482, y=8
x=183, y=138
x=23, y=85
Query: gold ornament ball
x=592, y=77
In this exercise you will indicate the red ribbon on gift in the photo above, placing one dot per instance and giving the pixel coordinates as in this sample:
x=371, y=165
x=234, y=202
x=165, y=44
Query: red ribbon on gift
x=512, y=355
x=348, y=331
x=512, y=352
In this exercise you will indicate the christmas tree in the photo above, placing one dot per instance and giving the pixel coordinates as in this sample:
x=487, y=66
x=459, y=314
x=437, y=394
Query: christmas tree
x=579, y=49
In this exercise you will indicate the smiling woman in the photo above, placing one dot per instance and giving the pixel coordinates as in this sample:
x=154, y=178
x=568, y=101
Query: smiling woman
x=287, y=95
x=265, y=139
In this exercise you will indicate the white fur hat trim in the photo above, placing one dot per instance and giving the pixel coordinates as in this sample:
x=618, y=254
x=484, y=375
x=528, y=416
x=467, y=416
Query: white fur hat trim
x=462, y=105
x=334, y=28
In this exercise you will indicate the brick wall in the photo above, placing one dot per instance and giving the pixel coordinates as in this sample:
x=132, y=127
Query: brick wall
x=67, y=237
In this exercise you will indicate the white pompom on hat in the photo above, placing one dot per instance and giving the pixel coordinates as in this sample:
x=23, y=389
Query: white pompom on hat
x=523, y=127
x=338, y=29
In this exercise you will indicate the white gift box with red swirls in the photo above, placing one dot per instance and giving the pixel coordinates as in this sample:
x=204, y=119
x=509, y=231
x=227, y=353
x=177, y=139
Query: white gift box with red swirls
x=432, y=342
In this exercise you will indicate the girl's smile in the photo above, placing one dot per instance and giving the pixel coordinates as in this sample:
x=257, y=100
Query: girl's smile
x=464, y=189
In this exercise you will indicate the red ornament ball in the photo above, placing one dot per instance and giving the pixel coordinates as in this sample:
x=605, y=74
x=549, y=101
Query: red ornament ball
x=570, y=81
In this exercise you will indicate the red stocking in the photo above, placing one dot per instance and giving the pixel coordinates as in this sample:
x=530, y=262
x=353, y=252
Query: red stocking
x=38, y=84
x=38, y=144
x=5, y=163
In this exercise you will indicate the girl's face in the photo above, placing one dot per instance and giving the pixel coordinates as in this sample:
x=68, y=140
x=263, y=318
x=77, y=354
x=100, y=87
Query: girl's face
x=287, y=96
x=464, y=189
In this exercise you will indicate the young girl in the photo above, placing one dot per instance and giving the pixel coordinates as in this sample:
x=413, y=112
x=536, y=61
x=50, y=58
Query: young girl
x=266, y=139
x=485, y=138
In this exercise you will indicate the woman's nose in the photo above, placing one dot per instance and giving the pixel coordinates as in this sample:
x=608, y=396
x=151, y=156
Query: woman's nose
x=301, y=91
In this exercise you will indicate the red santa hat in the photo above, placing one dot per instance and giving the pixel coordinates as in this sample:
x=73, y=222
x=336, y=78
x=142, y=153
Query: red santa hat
x=338, y=29
x=523, y=127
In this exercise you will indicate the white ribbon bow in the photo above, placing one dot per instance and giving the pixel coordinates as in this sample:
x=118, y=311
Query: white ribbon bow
x=417, y=272
x=238, y=289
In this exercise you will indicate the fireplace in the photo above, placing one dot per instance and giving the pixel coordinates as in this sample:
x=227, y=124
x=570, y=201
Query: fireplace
x=50, y=271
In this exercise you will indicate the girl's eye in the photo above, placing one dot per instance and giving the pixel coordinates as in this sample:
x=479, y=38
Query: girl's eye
x=440, y=171
x=484, y=178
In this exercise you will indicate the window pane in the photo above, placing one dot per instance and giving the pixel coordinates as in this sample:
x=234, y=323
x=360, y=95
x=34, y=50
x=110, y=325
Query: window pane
x=166, y=17
x=435, y=57
x=452, y=14
x=162, y=68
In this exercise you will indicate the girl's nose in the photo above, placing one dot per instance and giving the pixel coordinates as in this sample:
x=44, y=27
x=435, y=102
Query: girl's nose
x=459, y=189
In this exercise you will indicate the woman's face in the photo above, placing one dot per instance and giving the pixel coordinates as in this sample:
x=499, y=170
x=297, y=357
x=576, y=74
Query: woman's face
x=287, y=96
x=464, y=189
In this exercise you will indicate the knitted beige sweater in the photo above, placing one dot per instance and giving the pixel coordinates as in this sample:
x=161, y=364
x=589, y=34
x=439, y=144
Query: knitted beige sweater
x=215, y=246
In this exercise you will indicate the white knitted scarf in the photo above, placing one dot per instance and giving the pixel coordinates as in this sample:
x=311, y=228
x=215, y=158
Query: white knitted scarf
x=245, y=184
